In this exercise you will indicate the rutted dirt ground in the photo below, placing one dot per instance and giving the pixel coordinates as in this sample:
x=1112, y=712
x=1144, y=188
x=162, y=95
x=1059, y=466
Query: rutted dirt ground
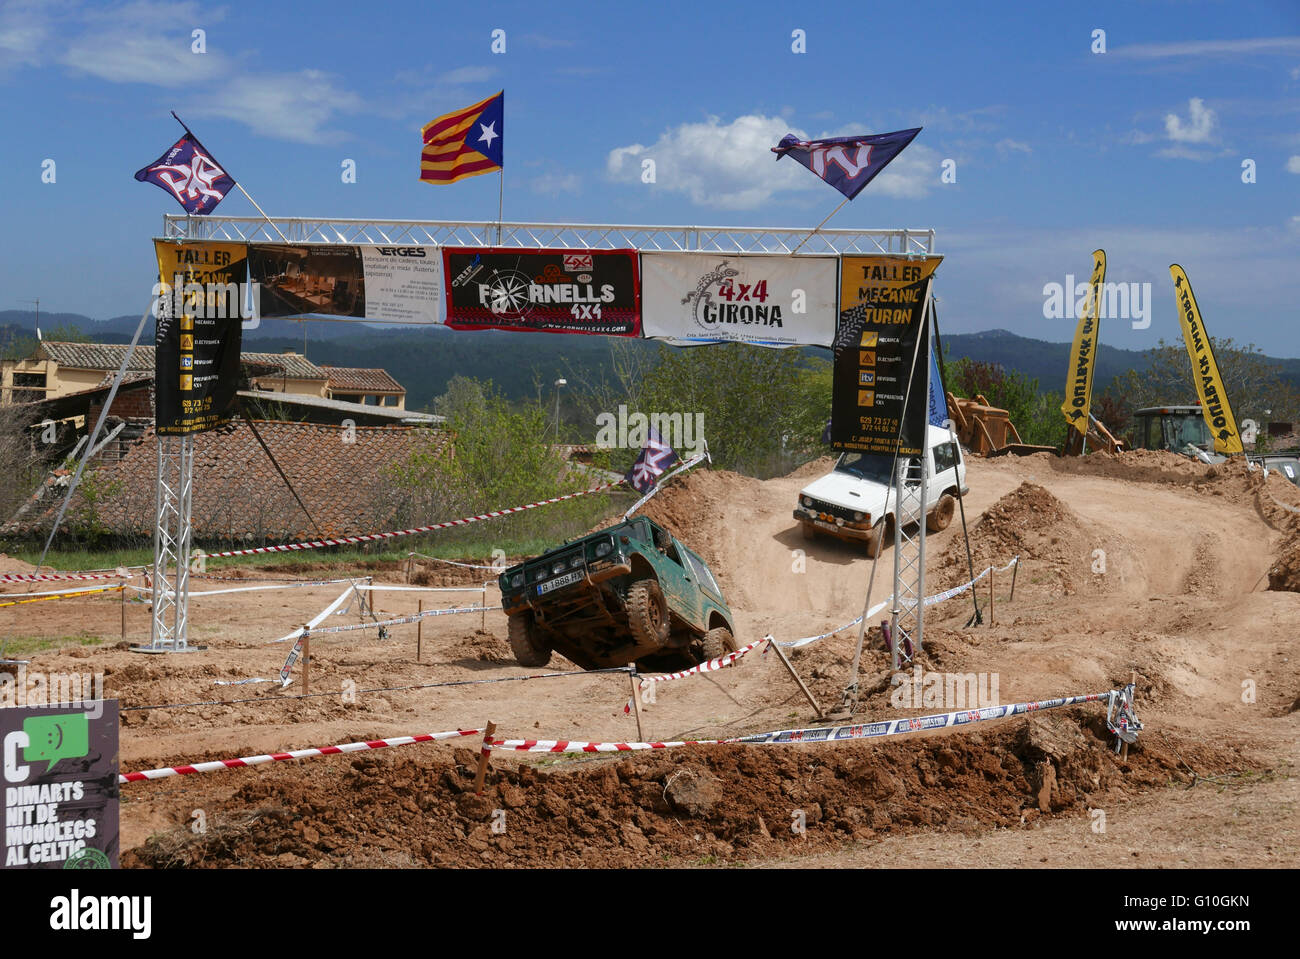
x=1147, y=564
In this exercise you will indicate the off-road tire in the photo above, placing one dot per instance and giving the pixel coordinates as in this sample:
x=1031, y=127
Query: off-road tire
x=875, y=541
x=527, y=642
x=647, y=613
x=808, y=530
x=718, y=642
x=939, y=518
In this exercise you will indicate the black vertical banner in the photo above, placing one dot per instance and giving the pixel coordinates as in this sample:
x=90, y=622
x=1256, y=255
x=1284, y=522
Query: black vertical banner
x=198, y=335
x=883, y=342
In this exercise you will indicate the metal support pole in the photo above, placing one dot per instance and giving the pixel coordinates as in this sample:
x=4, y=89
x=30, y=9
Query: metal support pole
x=173, y=502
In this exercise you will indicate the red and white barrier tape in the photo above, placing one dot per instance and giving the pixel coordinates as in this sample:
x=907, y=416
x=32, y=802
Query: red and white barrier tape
x=256, y=589
x=571, y=746
x=726, y=659
x=371, y=537
x=50, y=577
x=294, y=754
x=891, y=727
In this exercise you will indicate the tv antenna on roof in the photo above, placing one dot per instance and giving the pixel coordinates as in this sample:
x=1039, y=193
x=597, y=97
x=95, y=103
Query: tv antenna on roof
x=37, y=301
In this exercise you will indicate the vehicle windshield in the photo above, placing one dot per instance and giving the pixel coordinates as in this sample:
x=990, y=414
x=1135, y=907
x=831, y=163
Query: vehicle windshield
x=865, y=466
x=1174, y=431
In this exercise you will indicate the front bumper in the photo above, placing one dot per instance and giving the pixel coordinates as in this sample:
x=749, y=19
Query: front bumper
x=854, y=532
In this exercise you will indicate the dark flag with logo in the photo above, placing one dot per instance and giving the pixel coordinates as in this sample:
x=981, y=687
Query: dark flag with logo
x=846, y=163
x=656, y=456
x=189, y=173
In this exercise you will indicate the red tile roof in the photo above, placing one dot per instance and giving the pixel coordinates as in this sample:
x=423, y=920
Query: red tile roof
x=361, y=379
x=239, y=497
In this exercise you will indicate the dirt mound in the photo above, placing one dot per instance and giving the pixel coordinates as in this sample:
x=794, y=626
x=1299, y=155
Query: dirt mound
x=696, y=506
x=1284, y=574
x=702, y=805
x=812, y=470
x=1031, y=523
x=10, y=565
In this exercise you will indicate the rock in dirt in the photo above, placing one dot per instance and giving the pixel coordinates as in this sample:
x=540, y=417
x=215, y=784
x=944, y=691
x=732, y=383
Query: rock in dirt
x=693, y=790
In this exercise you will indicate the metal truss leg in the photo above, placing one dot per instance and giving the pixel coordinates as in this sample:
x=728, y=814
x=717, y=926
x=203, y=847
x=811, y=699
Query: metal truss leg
x=169, y=632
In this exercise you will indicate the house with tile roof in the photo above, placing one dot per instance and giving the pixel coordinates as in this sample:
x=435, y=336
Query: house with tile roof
x=341, y=474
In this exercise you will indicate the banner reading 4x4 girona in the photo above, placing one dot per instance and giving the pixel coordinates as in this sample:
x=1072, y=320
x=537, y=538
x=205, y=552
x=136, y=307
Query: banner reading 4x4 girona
x=766, y=299
x=561, y=291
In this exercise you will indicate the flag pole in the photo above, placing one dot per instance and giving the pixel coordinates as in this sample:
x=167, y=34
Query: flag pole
x=237, y=183
x=820, y=225
x=501, y=196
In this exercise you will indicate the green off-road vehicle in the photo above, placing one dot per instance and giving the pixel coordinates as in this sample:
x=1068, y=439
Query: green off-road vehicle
x=625, y=594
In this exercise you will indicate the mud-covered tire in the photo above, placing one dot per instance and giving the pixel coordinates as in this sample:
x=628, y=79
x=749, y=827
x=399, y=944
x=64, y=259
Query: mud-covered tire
x=718, y=642
x=647, y=613
x=940, y=518
x=527, y=642
x=882, y=531
x=808, y=530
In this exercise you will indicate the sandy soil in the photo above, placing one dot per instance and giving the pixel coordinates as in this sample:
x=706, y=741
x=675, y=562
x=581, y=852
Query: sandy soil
x=1184, y=602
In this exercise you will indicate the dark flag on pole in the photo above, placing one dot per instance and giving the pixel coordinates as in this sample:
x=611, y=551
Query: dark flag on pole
x=846, y=163
x=656, y=456
x=189, y=173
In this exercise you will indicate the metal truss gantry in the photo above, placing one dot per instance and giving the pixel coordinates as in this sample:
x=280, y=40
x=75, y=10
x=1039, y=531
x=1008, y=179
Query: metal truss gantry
x=588, y=236
x=907, y=617
x=169, y=632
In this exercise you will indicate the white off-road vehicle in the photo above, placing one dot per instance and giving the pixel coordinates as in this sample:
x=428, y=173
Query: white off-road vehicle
x=855, y=500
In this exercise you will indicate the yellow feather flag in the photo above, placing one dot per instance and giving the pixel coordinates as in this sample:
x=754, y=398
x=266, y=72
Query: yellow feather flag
x=1209, y=384
x=1083, y=352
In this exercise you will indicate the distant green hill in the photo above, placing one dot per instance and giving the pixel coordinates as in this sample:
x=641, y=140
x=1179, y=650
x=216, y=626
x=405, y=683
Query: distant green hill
x=424, y=359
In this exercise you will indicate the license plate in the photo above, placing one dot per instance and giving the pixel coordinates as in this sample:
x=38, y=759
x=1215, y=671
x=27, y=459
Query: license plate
x=824, y=525
x=568, y=579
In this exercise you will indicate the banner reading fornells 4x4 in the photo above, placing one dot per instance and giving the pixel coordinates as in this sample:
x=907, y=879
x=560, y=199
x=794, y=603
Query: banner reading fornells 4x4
x=560, y=291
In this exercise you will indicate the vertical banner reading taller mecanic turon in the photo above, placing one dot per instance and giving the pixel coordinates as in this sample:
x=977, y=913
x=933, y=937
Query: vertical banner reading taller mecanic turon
x=198, y=335
x=882, y=316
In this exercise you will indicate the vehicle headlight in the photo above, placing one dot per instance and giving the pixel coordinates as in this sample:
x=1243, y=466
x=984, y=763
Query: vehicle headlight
x=575, y=562
x=516, y=580
x=557, y=566
x=857, y=517
x=839, y=521
x=604, y=549
x=807, y=501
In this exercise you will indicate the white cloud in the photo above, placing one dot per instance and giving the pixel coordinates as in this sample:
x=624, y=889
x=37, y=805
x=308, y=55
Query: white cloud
x=1254, y=46
x=464, y=75
x=145, y=42
x=1007, y=147
x=553, y=184
x=731, y=166
x=1199, y=126
x=23, y=33
x=287, y=106
x=1293, y=165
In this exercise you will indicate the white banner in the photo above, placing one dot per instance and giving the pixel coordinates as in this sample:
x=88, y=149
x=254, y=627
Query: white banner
x=758, y=298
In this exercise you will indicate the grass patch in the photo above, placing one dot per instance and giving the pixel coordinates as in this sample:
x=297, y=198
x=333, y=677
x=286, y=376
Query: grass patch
x=20, y=647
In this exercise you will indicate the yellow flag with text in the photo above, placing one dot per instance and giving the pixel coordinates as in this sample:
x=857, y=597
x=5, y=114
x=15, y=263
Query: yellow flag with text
x=1083, y=352
x=1205, y=371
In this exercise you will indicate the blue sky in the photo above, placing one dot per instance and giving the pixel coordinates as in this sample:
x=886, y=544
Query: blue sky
x=1058, y=149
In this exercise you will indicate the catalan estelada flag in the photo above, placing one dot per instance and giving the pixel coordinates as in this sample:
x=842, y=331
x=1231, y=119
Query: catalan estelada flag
x=464, y=143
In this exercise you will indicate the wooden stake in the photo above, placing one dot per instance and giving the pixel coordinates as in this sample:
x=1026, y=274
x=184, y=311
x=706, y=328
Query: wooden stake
x=306, y=664
x=991, y=575
x=483, y=624
x=780, y=654
x=483, y=758
x=636, y=702
x=410, y=558
x=419, y=633
x=1014, y=569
